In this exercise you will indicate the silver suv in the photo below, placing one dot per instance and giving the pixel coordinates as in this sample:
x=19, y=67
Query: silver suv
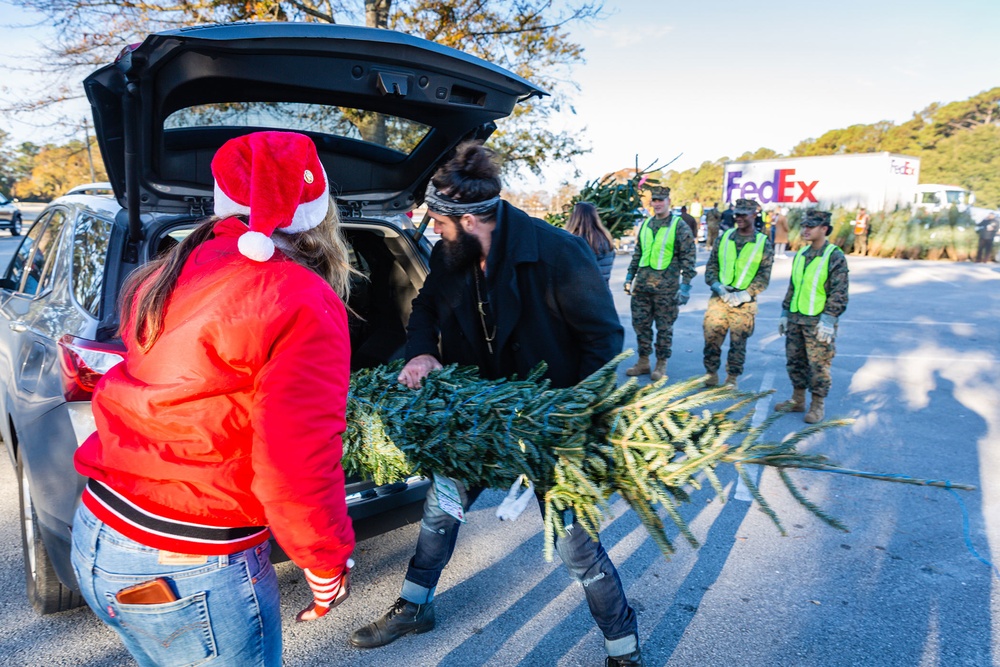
x=383, y=108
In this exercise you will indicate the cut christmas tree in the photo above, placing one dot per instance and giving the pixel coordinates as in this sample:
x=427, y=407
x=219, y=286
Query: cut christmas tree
x=578, y=445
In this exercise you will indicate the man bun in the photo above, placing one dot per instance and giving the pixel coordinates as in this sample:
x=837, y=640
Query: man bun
x=471, y=175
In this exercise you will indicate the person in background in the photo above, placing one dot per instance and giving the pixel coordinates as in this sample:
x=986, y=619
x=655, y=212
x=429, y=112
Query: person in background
x=737, y=272
x=662, y=267
x=236, y=373
x=712, y=219
x=505, y=292
x=728, y=219
x=691, y=221
x=695, y=208
x=758, y=222
x=987, y=230
x=862, y=225
x=780, y=233
x=815, y=300
x=586, y=223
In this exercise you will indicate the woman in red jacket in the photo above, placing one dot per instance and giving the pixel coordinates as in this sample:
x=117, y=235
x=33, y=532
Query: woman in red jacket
x=223, y=424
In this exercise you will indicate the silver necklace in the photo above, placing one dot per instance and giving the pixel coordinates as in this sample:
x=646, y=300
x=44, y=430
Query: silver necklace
x=482, y=313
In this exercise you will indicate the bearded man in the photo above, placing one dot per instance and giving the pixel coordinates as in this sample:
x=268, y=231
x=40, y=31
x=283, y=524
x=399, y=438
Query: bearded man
x=505, y=292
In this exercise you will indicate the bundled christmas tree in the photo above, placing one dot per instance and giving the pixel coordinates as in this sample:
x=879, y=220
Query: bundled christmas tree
x=578, y=445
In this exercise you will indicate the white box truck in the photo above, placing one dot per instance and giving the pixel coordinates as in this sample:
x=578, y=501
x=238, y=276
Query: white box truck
x=875, y=181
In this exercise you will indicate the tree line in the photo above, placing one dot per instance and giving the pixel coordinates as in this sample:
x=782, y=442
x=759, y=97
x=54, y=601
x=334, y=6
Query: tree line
x=42, y=172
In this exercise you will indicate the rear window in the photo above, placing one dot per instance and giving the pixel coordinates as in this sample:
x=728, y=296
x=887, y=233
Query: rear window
x=90, y=253
x=393, y=132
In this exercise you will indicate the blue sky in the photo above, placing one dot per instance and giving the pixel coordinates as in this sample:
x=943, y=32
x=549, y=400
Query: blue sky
x=719, y=77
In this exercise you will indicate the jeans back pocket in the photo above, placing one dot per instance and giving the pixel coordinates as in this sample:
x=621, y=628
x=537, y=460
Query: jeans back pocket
x=172, y=634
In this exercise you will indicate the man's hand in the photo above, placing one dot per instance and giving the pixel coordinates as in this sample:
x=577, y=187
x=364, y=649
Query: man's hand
x=328, y=592
x=684, y=294
x=628, y=284
x=720, y=290
x=783, y=323
x=826, y=330
x=417, y=368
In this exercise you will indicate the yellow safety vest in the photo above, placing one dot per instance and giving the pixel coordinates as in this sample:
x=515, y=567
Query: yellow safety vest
x=658, y=250
x=739, y=270
x=809, y=282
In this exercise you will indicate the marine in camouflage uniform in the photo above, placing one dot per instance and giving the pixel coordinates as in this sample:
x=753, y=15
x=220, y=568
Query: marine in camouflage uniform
x=713, y=217
x=809, y=342
x=658, y=293
x=732, y=308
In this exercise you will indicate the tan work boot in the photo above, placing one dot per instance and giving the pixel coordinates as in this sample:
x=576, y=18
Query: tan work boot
x=815, y=413
x=659, y=371
x=641, y=367
x=732, y=380
x=797, y=403
x=712, y=379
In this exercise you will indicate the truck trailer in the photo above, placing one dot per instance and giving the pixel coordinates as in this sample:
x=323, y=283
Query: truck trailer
x=875, y=181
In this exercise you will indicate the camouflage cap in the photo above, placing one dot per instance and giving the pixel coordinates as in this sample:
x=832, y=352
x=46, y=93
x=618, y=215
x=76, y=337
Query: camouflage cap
x=748, y=206
x=815, y=218
x=660, y=193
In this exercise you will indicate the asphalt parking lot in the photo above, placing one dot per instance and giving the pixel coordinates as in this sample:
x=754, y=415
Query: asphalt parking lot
x=918, y=367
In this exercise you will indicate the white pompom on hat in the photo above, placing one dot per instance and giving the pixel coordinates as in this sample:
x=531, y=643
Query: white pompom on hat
x=277, y=180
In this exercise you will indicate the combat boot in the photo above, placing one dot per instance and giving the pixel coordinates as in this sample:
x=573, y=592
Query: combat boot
x=815, y=413
x=630, y=660
x=732, y=380
x=712, y=379
x=660, y=370
x=797, y=403
x=402, y=619
x=641, y=367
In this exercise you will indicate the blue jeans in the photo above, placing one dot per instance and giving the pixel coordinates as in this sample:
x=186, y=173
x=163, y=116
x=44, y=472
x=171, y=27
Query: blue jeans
x=585, y=559
x=227, y=611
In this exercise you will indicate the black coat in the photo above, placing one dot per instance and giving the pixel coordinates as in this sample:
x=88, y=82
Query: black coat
x=548, y=297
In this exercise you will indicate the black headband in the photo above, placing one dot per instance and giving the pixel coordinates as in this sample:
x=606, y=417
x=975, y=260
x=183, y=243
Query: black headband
x=442, y=205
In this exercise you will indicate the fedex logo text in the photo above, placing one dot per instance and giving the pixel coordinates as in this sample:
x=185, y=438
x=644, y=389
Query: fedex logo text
x=782, y=188
x=902, y=168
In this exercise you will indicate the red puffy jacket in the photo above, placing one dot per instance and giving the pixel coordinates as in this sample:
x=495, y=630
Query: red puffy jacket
x=234, y=417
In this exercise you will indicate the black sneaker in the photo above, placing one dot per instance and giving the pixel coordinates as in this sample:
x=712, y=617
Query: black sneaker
x=403, y=618
x=630, y=660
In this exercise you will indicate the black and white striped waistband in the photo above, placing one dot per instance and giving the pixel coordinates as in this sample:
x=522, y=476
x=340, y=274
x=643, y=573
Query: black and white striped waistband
x=158, y=525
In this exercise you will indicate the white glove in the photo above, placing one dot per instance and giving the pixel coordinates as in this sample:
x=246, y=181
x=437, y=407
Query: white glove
x=513, y=505
x=739, y=298
x=783, y=323
x=826, y=330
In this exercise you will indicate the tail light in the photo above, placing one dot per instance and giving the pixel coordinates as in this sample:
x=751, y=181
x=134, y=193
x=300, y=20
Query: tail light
x=83, y=363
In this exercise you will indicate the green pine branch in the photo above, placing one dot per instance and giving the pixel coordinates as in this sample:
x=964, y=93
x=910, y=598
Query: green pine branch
x=579, y=445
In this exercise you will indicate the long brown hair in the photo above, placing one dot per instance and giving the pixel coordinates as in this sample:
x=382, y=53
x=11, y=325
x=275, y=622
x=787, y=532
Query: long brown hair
x=322, y=249
x=586, y=223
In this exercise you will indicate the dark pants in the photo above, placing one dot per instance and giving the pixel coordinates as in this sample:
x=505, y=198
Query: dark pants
x=984, y=253
x=585, y=559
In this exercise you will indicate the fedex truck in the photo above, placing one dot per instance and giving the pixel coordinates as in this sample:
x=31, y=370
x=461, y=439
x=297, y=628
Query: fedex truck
x=875, y=181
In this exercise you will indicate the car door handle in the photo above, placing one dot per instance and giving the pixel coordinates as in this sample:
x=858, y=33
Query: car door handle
x=19, y=327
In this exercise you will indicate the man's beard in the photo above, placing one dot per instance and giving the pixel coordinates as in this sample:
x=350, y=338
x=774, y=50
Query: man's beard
x=463, y=252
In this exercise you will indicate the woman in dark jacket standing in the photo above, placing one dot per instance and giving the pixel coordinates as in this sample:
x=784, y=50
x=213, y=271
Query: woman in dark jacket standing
x=585, y=223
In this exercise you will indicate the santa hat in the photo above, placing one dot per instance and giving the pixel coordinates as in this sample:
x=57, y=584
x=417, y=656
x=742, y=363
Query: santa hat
x=277, y=180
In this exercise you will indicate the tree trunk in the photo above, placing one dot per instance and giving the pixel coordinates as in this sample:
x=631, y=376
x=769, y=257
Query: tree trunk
x=377, y=13
x=376, y=16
